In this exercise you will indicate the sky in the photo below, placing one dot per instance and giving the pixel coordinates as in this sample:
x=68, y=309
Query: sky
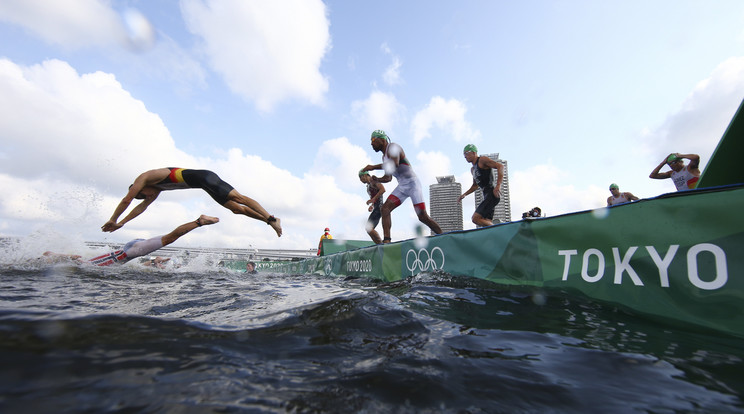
x=280, y=97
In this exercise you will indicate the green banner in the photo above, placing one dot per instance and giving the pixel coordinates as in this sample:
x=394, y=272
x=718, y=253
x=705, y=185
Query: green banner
x=679, y=256
x=331, y=246
x=261, y=265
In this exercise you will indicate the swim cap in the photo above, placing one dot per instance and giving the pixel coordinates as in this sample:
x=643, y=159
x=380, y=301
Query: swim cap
x=362, y=172
x=671, y=158
x=613, y=185
x=380, y=134
x=470, y=148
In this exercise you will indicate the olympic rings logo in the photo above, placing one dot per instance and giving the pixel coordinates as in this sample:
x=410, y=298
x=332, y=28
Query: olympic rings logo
x=424, y=260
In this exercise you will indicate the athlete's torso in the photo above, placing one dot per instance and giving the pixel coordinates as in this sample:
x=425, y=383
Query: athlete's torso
x=619, y=199
x=174, y=180
x=482, y=176
x=372, y=191
x=684, y=179
x=404, y=170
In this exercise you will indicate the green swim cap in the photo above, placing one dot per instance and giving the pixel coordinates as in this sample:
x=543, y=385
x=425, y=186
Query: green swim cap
x=362, y=172
x=613, y=185
x=671, y=158
x=380, y=134
x=470, y=148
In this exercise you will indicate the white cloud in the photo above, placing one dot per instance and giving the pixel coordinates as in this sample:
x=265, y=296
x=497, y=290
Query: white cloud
x=551, y=189
x=380, y=110
x=341, y=159
x=448, y=116
x=429, y=165
x=79, y=23
x=267, y=52
x=70, y=144
x=391, y=76
x=703, y=117
x=53, y=117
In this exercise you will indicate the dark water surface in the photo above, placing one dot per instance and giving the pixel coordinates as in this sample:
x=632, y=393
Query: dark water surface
x=132, y=339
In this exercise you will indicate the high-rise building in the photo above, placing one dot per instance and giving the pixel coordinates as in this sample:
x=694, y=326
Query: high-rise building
x=445, y=209
x=502, y=211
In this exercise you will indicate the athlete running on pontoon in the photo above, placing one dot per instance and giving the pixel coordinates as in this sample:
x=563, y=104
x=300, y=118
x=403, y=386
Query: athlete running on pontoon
x=395, y=164
x=483, y=178
x=149, y=184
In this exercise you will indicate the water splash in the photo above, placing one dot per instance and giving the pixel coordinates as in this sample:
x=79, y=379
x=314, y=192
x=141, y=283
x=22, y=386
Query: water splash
x=140, y=32
x=421, y=241
x=601, y=213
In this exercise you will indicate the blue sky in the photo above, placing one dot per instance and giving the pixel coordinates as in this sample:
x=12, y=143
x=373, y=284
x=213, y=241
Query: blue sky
x=279, y=98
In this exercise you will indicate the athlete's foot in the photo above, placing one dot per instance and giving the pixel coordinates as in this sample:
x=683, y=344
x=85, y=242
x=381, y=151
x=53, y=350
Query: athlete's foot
x=276, y=224
x=206, y=220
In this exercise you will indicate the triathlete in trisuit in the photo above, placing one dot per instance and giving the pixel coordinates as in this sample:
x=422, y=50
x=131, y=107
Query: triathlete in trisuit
x=148, y=185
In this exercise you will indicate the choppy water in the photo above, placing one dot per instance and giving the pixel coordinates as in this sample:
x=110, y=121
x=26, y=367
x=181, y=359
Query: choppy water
x=134, y=339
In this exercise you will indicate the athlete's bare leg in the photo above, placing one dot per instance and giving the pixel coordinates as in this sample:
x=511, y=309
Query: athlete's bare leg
x=426, y=219
x=479, y=220
x=375, y=236
x=387, y=221
x=240, y=204
x=187, y=227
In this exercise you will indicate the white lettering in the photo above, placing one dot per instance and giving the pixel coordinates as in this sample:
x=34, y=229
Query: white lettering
x=585, y=266
x=663, y=264
x=721, y=269
x=624, y=266
x=359, y=266
x=568, y=254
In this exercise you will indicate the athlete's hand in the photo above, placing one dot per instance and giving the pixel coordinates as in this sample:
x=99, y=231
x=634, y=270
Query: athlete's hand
x=111, y=226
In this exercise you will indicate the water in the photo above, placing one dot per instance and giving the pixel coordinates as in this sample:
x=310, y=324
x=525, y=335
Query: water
x=205, y=339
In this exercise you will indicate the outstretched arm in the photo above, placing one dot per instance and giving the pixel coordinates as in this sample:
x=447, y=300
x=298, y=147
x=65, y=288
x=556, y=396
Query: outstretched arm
x=139, y=209
x=112, y=225
x=51, y=257
x=384, y=179
x=467, y=193
x=143, y=180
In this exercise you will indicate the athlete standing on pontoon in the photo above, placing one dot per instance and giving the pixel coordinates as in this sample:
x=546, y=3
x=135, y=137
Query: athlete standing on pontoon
x=685, y=177
x=395, y=164
x=148, y=185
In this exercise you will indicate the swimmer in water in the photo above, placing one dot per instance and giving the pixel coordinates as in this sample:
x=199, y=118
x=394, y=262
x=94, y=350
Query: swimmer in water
x=135, y=248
